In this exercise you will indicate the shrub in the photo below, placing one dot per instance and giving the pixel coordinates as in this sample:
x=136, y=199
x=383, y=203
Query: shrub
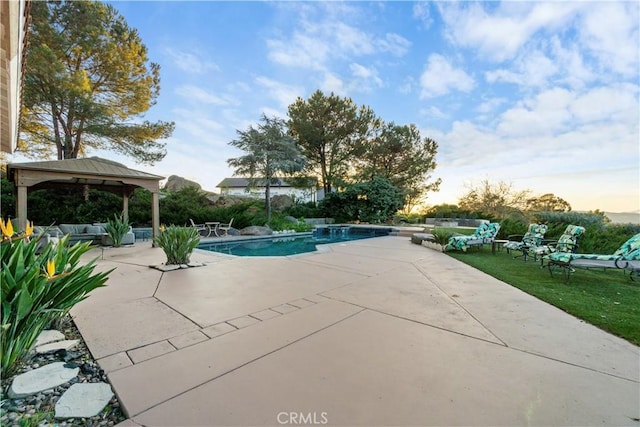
x=306, y=210
x=373, y=201
x=178, y=243
x=117, y=228
x=558, y=221
x=441, y=236
x=37, y=289
x=510, y=226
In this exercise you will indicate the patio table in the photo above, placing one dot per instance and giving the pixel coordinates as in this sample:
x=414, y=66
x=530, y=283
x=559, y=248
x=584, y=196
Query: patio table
x=213, y=227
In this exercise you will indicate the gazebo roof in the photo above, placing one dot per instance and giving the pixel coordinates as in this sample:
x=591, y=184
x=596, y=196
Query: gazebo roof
x=88, y=171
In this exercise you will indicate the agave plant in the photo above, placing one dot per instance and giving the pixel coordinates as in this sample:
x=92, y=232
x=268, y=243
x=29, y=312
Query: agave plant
x=117, y=228
x=441, y=237
x=177, y=243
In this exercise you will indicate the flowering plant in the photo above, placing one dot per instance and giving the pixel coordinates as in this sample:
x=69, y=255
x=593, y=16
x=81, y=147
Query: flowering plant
x=37, y=288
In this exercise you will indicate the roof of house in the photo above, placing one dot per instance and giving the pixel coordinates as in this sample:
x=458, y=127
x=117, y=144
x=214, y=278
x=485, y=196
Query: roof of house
x=244, y=183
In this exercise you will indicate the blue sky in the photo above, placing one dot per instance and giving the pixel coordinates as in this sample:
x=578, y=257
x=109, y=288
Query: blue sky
x=542, y=95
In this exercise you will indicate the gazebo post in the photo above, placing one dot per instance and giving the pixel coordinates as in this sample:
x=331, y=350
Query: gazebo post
x=21, y=208
x=125, y=205
x=155, y=216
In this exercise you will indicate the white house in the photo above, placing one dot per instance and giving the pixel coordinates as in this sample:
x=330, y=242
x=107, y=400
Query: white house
x=240, y=187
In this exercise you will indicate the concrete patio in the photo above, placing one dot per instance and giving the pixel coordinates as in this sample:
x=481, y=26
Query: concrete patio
x=373, y=332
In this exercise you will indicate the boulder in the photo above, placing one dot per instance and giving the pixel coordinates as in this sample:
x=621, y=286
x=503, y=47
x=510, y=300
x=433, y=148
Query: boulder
x=256, y=230
x=281, y=202
x=291, y=219
x=176, y=183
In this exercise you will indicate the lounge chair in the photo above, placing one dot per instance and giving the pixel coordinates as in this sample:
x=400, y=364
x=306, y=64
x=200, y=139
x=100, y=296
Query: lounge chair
x=523, y=242
x=223, y=229
x=626, y=257
x=200, y=227
x=567, y=242
x=485, y=233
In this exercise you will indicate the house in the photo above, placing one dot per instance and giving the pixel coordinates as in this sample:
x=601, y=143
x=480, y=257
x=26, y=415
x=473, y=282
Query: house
x=14, y=17
x=240, y=187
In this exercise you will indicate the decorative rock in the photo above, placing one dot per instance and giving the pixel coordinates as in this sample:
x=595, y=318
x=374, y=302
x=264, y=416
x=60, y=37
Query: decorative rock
x=56, y=346
x=166, y=267
x=50, y=335
x=256, y=230
x=49, y=376
x=195, y=264
x=83, y=400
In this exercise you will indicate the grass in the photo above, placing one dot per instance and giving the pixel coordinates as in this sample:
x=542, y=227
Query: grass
x=608, y=299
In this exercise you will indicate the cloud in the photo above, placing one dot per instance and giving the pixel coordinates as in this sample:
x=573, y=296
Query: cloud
x=614, y=44
x=190, y=62
x=323, y=34
x=490, y=105
x=497, y=33
x=281, y=92
x=530, y=70
x=332, y=83
x=394, y=44
x=300, y=51
x=440, y=78
x=365, y=78
x=422, y=12
x=197, y=94
x=433, y=113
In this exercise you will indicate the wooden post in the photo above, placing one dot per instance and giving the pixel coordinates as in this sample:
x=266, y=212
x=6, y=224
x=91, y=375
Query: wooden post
x=21, y=208
x=155, y=216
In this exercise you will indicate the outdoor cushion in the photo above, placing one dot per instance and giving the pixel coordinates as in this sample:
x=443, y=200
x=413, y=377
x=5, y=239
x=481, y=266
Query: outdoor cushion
x=630, y=250
x=485, y=233
x=567, y=242
x=533, y=237
x=73, y=228
x=95, y=229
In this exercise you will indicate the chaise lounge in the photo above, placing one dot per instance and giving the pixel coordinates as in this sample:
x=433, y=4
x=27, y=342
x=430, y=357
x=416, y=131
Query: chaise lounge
x=485, y=233
x=626, y=257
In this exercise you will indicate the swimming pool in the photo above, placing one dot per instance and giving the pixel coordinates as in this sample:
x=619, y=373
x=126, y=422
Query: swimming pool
x=284, y=245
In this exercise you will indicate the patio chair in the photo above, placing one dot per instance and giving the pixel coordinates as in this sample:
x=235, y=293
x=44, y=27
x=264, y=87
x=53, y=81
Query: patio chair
x=523, y=242
x=567, y=242
x=626, y=257
x=223, y=229
x=485, y=233
x=199, y=227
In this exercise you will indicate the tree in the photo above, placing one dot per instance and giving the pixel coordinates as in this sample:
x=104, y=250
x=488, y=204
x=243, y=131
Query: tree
x=330, y=132
x=87, y=84
x=549, y=203
x=270, y=151
x=399, y=154
x=498, y=200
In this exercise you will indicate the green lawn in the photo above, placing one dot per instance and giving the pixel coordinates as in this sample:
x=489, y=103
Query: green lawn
x=607, y=299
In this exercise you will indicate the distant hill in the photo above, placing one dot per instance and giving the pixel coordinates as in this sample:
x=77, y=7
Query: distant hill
x=624, y=217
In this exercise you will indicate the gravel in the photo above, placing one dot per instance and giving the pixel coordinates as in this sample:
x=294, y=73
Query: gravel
x=38, y=410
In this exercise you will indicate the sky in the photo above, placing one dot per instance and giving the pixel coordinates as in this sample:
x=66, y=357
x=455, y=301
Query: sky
x=544, y=96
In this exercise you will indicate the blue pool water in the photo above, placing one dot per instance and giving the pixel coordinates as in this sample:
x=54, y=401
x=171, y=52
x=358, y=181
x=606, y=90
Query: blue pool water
x=291, y=245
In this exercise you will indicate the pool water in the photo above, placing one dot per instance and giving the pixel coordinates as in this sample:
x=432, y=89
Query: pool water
x=295, y=244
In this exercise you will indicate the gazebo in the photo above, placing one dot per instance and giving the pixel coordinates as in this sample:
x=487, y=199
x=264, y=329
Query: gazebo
x=94, y=172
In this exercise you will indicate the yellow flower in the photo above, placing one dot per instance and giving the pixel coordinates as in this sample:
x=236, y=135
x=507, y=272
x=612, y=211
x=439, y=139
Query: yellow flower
x=29, y=231
x=51, y=268
x=162, y=228
x=7, y=229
